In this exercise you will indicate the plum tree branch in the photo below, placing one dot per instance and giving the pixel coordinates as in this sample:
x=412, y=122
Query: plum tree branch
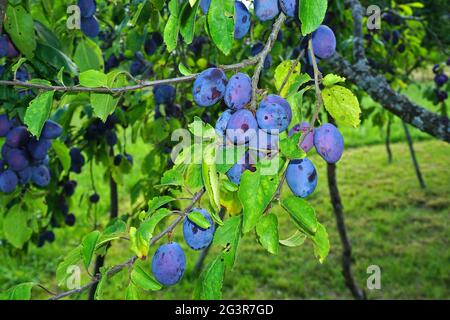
x=3, y=5
x=379, y=89
x=262, y=57
x=127, y=264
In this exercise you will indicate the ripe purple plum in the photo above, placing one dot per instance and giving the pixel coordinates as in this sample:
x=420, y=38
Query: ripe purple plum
x=274, y=114
x=90, y=26
x=241, y=127
x=329, y=142
x=17, y=160
x=5, y=125
x=264, y=144
x=8, y=181
x=198, y=238
x=17, y=137
x=51, y=130
x=266, y=9
x=242, y=22
x=440, y=79
x=246, y=162
x=301, y=177
x=222, y=122
x=209, y=87
x=40, y=176
x=289, y=7
x=324, y=42
x=169, y=264
x=308, y=141
x=204, y=5
x=238, y=92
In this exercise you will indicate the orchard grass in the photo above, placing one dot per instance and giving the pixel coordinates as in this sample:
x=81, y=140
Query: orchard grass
x=391, y=222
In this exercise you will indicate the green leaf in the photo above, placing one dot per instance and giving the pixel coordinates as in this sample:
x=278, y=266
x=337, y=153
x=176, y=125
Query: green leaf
x=255, y=193
x=187, y=21
x=20, y=27
x=72, y=258
x=63, y=154
x=282, y=71
x=221, y=24
x=17, y=65
x=342, y=105
x=88, y=245
x=38, y=112
x=184, y=70
x=115, y=229
x=311, y=14
x=15, y=227
x=209, y=285
x=211, y=182
x=93, y=79
x=228, y=236
x=194, y=178
x=140, y=237
x=172, y=27
x=104, y=104
x=173, y=177
x=290, y=149
x=321, y=243
x=20, y=292
x=143, y=280
x=101, y=284
x=88, y=55
x=302, y=213
x=267, y=231
x=132, y=292
x=331, y=79
x=55, y=58
x=296, y=101
x=297, y=239
x=227, y=156
x=198, y=219
x=158, y=202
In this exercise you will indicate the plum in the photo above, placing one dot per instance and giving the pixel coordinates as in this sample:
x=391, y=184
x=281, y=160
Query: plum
x=118, y=160
x=164, y=94
x=137, y=67
x=40, y=176
x=87, y=8
x=70, y=220
x=238, y=92
x=222, y=122
x=440, y=79
x=158, y=38
x=308, y=141
x=150, y=46
x=264, y=144
x=7, y=48
x=17, y=137
x=94, y=198
x=266, y=9
x=8, y=181
x=69, y=188
x=111, y=138
x=209, y=87
x=329, y=142
x=395, y=37
x=289, y=7
x=198, y=238
x=324, y=42
x=301, y=177
x=241, y=127
x=204, y=5
x=242, y=21
x=77, y=160
x=51, y=130
x=17, y=159
x=5, y=125
x=24, y=175
x=246, y=162
x=169, y=264
x=274, y=114
x=3, y=46
x=90, y=26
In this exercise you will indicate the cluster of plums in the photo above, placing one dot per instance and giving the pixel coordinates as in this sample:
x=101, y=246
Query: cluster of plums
x=24, y=158
x=89, y=23
x=164, y=96
x=169, y=261
x=440, y=79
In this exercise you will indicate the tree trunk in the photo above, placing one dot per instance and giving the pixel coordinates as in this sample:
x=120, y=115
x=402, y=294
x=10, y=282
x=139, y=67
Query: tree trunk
x=388, y=140
x=413, y=156
x=346, y=246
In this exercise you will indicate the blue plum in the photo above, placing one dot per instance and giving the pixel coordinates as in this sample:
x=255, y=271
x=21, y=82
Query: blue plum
x=238, y=92
x=164, y=94
x=90, y=26
x=3, y=46
x=51, y=130
x=198, y=238
x=440, y=79
x=266, y=9
x=209, y=87
x=204, y=5
x=7, y=48
x=308, y=141
x=87, y=8
x=241, y=127
x=150, y=46
x=137, y=67
x=111, y=138
x=222, y=122
x=329, y=142
x=264, y=144
x=77, y=160
x=5, y=150
x=274, y=114
x=169, y=264
x=158, y=38
x=70, y=220
x=94, y=198
x=5, y=125
x=242, y=20
x=17, y=137
x=8, y=181
x=324, y=42
x=301, y=177
x=24, y=175
x=17, y=160
x=247, y=162
x=289, y=7
x=40, y=176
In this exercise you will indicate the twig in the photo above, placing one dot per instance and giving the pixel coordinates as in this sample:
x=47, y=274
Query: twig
x=262, y=57
x=3, y=5
x=291, y=70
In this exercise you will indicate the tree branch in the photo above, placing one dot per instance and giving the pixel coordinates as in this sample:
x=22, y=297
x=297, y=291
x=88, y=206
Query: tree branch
x=3, y=5
x=117, y=268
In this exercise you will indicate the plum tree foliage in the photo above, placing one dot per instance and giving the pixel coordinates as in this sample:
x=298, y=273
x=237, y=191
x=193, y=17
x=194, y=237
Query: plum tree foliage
x=136, y=72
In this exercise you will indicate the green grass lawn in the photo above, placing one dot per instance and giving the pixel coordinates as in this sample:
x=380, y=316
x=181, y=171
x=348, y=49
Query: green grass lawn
x=392, y=223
